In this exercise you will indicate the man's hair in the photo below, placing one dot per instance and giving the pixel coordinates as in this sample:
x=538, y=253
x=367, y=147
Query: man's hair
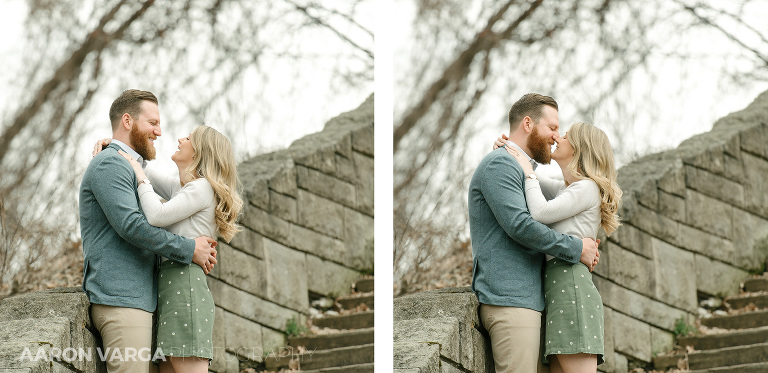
x=129, y=102
x=529, y=105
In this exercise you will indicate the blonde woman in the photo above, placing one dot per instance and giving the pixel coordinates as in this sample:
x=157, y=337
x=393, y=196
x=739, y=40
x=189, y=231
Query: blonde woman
x=585, y=200
x=201, y=199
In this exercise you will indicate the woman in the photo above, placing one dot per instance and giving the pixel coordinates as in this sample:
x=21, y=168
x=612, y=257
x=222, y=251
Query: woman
x=585, y=200
x=201, y=200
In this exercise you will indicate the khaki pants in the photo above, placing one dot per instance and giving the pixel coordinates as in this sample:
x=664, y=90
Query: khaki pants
x=127, y=337
x=515, y=338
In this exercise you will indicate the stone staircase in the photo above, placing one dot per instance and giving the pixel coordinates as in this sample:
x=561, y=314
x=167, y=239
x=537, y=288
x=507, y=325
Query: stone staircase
x=742, y=344
x=348, y=348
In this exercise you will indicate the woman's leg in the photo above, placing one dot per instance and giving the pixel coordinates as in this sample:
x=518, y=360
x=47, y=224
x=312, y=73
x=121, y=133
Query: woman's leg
x=554, y=364
x=190, y=364
x=578, y=363
x=166, y=367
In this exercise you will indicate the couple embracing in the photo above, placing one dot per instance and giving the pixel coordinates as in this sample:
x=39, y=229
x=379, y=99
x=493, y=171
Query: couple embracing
x=534, y=241
x=148, y=239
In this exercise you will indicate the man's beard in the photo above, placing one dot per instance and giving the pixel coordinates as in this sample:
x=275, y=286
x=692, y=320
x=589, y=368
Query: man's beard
x=541, y=149
x=142, y=144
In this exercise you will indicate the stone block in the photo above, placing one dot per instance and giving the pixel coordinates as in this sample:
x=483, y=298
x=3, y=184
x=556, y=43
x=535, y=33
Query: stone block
x=358, y=238
x=272, y=340
x=482, y=354
x=713, y=185
x=749, y=231
x=675, y=275
x=325, y=277
x=608, y=330
x=697, y=154
x=698, y=241
x=282, y=206
x=661, y=341
x=51, y=331
x=365, y=185
x=219, y=364
x=320, y=214
x=655, y=224
x=240, y=269
x=441, y=330
x=249, y=242
x=734, y=168
x=637, y=305
x=717, y=278
x=632, y=337
x=754, y=139
x=423, y=356
x=286, y=276
x=344, y=144
x=622, y=363
x=345, y=169
x=632, y=271
x=323, y=159
x=755, y=185
x=327, y=186
x=634, y=240
x=460, y=303
x=647, y=194
x=255, y=191
x=709, y=214
x=672, y=206
x=362, y=140
x=250, y=306
x=284, y=179
x=266, y=224
x=243, y=337
x=673, y=181
x=69, y=303
x=317, y=244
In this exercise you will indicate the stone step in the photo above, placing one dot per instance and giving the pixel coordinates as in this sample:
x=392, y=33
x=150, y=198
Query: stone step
x=349, y=302
x=364, y=285
x=756, y=284
x=357, y=368
x=744, y=368
x=328, y=341
x=729, y=339
x=322, y=359
x=740, y=321
x=741, y=301
x=723, y=357
x=359, y=320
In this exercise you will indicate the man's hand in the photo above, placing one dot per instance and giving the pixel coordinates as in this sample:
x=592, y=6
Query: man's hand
x=589, y=254
x=205, y=253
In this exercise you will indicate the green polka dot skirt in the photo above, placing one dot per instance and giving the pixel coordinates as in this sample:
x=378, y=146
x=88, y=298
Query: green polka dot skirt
x=185, y=311
x=573, y=312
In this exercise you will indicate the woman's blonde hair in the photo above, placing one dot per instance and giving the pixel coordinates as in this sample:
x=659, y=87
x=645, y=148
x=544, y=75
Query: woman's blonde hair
x=214, y=160
x=593, y=159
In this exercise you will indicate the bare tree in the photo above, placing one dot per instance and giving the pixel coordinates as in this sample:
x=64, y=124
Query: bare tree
x=228, y=61
x=608, y=60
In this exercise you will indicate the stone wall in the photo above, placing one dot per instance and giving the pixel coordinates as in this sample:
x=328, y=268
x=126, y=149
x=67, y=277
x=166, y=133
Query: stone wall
x=695, y=224
x=307, y=231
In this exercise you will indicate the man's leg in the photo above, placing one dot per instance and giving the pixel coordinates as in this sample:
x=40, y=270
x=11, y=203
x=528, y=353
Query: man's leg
x=515, y=335
x=127, y=337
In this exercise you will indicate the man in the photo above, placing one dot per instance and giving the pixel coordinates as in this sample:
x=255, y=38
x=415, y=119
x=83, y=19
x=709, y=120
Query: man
x=508, y=246
x=120, y=248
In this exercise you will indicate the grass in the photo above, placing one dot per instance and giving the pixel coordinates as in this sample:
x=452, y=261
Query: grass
x=682, y=328
x=293, y=329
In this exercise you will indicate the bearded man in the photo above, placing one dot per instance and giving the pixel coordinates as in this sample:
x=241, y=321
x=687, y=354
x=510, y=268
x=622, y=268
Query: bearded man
x=120, y=248
x=508, y=246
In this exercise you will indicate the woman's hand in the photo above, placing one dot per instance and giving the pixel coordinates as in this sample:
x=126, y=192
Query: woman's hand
x=503, y=140
x=136, y=166
x=100, y=145
x=523, y=160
